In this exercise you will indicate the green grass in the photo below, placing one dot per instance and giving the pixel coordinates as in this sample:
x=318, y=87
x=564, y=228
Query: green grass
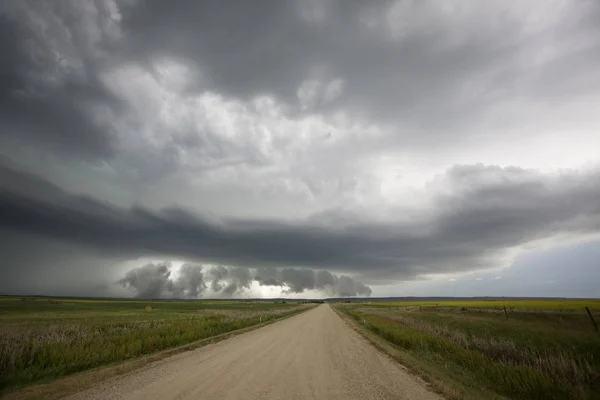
x=44, y=339
x=542, y=351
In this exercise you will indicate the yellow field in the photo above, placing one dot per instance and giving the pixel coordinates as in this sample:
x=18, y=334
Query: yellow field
x=558, y=305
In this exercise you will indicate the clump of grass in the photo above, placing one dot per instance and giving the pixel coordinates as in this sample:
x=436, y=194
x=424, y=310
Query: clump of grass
x=533, y=357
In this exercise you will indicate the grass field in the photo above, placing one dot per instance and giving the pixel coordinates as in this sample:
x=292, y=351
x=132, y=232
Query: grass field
x=474, y=350
x=43, y=339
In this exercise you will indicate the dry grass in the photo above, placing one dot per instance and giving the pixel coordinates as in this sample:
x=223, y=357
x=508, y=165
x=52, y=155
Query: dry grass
x=497, y=305
x=532, y=355
x=41, y=341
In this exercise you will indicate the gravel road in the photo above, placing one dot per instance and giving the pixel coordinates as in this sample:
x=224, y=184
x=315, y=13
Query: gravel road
x=313, y=355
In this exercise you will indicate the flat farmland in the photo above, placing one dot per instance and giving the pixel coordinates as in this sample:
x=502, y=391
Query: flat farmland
x=311, y=355
x=42, y=339
x=460, y=350
x=491, y=349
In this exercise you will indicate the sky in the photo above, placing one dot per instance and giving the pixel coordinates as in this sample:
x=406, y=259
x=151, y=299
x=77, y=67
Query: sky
x=302, y=148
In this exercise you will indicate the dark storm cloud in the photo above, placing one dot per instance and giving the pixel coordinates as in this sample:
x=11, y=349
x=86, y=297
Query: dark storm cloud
x=299, y=280
x=154, y=280
x=267, y=276
x=189, y=283
x=38, y=265
x=349, y=287
x=407, y=63
x=149, y=281
x=485, y=210
x=51, y=96
x=244, y=49
x=156, y=102
x=412, y=60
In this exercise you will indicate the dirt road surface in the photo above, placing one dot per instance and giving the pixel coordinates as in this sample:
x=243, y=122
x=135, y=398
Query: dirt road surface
x=313, y=355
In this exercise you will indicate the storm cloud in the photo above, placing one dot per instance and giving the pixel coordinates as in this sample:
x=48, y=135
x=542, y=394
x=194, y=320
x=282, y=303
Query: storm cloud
x=478, y=213
x=152, y=281
x=303, y=145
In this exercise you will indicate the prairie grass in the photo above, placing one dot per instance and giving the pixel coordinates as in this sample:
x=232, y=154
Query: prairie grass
x=43, y=339
x=534, y=354
x=498, y=305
